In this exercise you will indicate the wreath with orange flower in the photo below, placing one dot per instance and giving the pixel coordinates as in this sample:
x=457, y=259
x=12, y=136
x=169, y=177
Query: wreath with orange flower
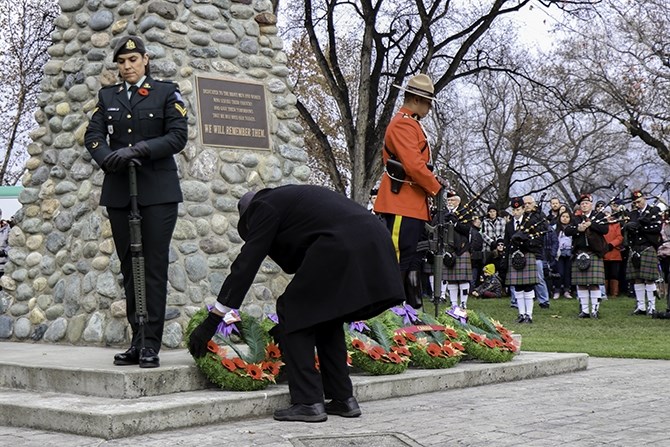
x=251, y=369
x=487, y=339
x=378, y=355
x=431, y=344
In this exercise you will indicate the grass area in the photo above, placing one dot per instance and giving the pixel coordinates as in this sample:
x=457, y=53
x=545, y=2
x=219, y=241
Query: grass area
x=616, y=333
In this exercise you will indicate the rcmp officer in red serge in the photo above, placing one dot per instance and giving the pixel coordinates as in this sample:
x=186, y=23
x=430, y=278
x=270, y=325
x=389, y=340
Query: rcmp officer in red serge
x=643, y=235
x=344, y=270
x=404, y=205
x=588, y=247
x=145, y=120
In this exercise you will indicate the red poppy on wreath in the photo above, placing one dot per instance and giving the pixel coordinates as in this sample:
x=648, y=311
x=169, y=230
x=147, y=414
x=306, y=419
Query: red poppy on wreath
x=254, y=371
x=374, y=355
x=356, y=343
x=395, y=358
x=273, y=351
x=229, y=364
x=399, y=340
x=142, y=91
x=239, y=362
x=434, y=349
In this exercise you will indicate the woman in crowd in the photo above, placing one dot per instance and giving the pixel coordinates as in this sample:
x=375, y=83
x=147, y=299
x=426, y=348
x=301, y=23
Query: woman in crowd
x=564, y=255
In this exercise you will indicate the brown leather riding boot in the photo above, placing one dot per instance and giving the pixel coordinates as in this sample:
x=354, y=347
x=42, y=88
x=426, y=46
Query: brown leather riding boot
x=614, y=288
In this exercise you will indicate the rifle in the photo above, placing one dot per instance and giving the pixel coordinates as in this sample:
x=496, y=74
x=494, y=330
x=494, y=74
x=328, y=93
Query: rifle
x=139, y=280
x=436, y=245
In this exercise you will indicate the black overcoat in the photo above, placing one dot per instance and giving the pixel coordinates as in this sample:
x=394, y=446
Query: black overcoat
x=342, y=256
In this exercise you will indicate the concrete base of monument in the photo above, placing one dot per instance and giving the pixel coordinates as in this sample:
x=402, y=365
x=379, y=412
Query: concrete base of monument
x=78, y=389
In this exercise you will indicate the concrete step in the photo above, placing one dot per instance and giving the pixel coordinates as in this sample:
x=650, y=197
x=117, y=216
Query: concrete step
x=89, y=371
x=143, y=406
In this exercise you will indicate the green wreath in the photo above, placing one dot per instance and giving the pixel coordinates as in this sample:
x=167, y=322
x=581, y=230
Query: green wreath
x=484, y=338
x=376, y=356
x=248, y=371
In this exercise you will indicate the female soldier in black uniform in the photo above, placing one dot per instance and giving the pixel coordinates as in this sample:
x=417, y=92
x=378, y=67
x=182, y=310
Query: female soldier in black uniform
x=145, y=120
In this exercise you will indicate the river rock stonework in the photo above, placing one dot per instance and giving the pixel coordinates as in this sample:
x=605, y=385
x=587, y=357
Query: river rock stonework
x=62, y=283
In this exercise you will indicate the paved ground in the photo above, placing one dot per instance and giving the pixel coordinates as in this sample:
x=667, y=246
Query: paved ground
x=615, y=403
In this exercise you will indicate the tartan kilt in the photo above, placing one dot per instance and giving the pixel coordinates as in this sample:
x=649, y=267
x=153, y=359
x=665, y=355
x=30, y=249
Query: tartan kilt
x=461, y=271
x=524, y=277
x=648, y=270
x=593, y=276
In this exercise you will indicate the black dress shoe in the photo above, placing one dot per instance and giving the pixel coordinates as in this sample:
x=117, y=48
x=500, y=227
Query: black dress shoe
x=584, y=315
x=130, y=357
x=347, y=408
x=149, y=358
x=302, y=413
x=528, y=319
x=521, y=319
x=638, y=311
x=545, y=305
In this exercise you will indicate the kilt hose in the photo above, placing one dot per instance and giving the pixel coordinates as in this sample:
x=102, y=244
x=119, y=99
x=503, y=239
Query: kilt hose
x=593, y=276
x=648, y=271
x=524, y=277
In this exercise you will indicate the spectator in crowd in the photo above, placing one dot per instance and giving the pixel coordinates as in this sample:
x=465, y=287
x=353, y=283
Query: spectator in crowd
x=497, y=255
x=563, y=256
x=493, y=227
x=554, y=210
x=476, y=251
x=612, y=258
x=5, y=227
x=491, y=287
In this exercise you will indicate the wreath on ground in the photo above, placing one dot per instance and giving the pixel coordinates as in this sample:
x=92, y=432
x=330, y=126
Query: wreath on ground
x=485, y=339
x=378, y=355
x=252, y=368
x=431, y=345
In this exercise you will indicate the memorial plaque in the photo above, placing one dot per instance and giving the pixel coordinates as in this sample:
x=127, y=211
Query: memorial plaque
x=232, y=113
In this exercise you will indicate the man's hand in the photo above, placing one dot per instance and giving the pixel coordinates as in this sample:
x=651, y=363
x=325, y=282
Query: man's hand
x=197, y=343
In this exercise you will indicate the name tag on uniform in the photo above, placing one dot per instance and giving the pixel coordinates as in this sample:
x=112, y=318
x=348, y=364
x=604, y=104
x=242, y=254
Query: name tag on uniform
x=113, y=109
x=110, y=129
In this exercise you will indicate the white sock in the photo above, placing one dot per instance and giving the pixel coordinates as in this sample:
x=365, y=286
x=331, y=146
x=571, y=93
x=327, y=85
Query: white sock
x=639, y=295
x=521, y=301
x=651, y=297
x=528, y=297
x=464, y=287
x=453, y=294
x=595, y=299
x=443, y=290
x=583, y=295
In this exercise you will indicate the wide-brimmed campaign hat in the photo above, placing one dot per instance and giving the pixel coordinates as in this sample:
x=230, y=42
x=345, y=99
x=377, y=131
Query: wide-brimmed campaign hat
x=420, y=85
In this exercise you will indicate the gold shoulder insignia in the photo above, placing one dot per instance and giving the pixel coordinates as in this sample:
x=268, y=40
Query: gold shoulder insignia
x=95, y=110
x=181, y=109
x=95, y=145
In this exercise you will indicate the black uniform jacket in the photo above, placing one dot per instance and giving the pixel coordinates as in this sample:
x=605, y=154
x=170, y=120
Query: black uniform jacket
x=648, y=231
x=591, y=240
x=342, y=256
x=156, y=115
x=528, y=238
x=460, y=231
